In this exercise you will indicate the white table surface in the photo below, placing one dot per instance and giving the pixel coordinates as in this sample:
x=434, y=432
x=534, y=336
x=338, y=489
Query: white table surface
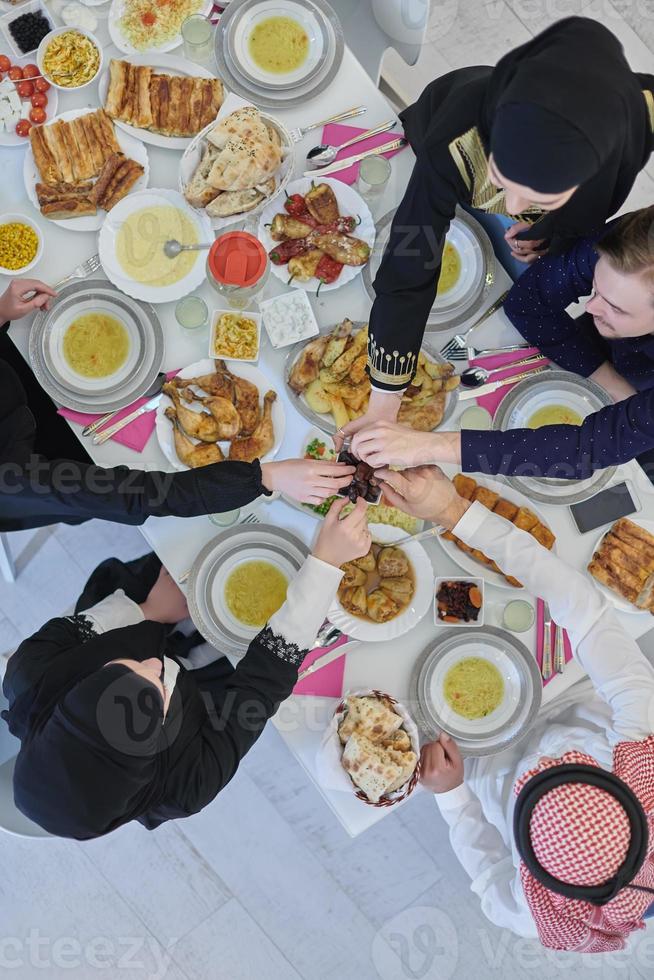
x=385, y=666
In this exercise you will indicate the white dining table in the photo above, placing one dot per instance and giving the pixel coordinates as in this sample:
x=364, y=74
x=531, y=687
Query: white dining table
x=301, y=720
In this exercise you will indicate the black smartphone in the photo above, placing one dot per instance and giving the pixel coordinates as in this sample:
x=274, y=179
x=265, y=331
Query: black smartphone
x=605, y=507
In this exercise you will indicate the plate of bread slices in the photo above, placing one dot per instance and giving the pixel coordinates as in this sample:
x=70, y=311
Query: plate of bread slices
x=208, y=414
x=77, y=168
x=622, y=565
x=237, y=164
x=515, y=508
x=160, y=99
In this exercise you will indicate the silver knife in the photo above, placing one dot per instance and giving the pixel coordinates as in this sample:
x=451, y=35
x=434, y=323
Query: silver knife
x=397, y=144
x=494, y=385
x=328, y=658
x=559, y=650
x=154, y=389
x=117, y=426
x=546, y=669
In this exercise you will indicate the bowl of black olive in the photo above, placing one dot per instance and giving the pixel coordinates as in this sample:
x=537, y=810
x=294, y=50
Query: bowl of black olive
x=26, y=27
x=364, y=483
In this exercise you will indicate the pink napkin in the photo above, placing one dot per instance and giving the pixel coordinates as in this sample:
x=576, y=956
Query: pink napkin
x=135, y=435
x=327, y=682
x=540, y=606
x=491, y=402
x=334, y=134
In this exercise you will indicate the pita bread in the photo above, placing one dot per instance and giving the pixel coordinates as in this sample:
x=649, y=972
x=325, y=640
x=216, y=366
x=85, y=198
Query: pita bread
x=370, y=717
x=368, y=769
x=245, y=123
x=243, y=163
x=237, y=202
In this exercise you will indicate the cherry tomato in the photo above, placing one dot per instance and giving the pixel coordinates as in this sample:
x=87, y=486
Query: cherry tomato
x=15, y=73
x=5, y=63
x=23, y=127
x=39, y=100
x=25, y=89
x=37, y=115
x=31, y=71
x=41, y=84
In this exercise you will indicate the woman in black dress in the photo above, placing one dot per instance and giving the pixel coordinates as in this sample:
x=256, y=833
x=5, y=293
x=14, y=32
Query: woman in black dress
x=114, y=727
x=554, y=136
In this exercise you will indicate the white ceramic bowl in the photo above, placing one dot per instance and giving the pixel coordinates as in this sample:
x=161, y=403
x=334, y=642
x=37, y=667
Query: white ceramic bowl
x=479, y=582
x=6, y=219
x=42, y=48
x=215, y=317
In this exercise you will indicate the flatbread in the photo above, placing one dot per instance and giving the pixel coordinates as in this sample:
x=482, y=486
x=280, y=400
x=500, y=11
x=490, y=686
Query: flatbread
x=370, y=717
x=237, y=202
x=367, y=770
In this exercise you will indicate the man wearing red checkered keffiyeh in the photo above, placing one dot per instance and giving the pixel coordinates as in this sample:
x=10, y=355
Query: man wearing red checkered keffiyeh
x=580, y=834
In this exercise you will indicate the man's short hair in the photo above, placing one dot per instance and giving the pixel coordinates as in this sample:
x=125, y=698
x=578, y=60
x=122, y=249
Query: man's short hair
x=629, y=245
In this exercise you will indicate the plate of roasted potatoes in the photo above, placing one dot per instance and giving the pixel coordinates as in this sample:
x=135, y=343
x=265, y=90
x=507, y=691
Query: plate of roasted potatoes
x=327, y=381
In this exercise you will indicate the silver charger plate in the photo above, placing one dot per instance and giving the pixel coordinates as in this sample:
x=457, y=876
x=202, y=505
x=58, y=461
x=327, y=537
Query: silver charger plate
x=426, y=713
x=325, y=422
x=553, y=386
x=294, y=96
x=235, y=540
x=76, y=297
x=440, y=321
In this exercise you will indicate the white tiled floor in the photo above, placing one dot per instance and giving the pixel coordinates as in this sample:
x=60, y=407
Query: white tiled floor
x=264, y=884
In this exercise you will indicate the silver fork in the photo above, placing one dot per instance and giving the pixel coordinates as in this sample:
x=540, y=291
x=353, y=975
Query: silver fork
x=86, y=268
x=546, y=669
x=248, y=519
x=299, y=132
x=456, y=348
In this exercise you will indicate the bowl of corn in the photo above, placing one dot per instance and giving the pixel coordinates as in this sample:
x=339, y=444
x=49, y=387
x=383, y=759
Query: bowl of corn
x=21, y=244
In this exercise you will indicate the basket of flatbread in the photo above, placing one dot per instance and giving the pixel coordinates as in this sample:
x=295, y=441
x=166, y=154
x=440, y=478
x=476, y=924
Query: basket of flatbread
x=372, y=747
x=237, y=164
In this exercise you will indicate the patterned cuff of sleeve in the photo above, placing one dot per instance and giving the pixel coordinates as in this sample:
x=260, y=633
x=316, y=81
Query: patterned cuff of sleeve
x=282, y=648
x=85, y=627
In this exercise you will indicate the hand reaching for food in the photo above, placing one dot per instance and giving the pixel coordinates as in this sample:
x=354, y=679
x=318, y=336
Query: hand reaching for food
x=441, y=765
x=340, y=541
x=424, y=492
x=309, y=481
x=383, y=405
x=14, y=304
x=166, y=603
x=391, y=444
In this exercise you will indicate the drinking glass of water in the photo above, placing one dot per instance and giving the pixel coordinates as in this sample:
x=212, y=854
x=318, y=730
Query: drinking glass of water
x=373, y=176
x=197, y=33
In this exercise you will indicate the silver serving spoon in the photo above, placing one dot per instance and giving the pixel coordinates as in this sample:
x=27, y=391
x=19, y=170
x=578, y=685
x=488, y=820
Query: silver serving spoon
x=475, y=377
x=324, y=154
x=172, y=248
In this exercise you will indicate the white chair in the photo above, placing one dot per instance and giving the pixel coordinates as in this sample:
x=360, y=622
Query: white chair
x=371, y=27
x=7, y=567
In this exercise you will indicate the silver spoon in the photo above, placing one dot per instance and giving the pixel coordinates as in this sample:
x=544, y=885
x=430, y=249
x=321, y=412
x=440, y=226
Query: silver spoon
x=324, y=154
x=172, y=248
x=474, y=377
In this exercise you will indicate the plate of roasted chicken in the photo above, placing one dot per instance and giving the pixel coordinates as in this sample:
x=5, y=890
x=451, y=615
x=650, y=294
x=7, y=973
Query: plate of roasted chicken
x=160, y=98
x=386, y=592
x=321, y=237
x=327, y=380
x=77, y=168
x=515, y=508
x=208, y=414
x=623, y=565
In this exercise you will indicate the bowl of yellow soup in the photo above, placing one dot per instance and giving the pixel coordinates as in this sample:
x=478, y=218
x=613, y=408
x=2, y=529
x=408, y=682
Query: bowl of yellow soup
x=461, y=270
x=278, y=43
x=93, y=348
x=131, y=245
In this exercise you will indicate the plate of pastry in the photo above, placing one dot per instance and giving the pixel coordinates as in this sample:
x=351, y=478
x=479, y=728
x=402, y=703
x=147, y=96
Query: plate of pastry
x=208, y=413
x=161, y=99
x=237, y=164
x=78, y=168
x=150, y=25
x=515, y=508
x=622, y=565
x=321, y=237
x=386, y=592
x=327, y=381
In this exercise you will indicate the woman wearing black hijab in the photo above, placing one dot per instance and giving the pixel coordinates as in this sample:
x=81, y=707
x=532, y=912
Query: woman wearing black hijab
x=113, y=726
x=554, y=136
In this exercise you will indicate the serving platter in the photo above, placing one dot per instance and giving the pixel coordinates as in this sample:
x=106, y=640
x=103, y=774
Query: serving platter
x=559, y=388
x=105, y=395
x=155, y=197
x=620, y=603
x=369, y=632
x=350, y=203
x=130, y=145
x=12, y=139
x=471, y=565
x=325, y=422
x=164, y=428
x=162, y=64
x=205, y=591
x=510, y=721
x=118, y=37
x=290, y=95
x=468, y=295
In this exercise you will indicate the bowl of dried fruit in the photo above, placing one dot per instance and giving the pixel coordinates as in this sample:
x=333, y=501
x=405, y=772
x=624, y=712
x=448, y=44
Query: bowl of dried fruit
x=459, y=602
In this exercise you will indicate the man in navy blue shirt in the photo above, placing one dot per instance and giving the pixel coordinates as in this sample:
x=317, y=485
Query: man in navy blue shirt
x=612, y=343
